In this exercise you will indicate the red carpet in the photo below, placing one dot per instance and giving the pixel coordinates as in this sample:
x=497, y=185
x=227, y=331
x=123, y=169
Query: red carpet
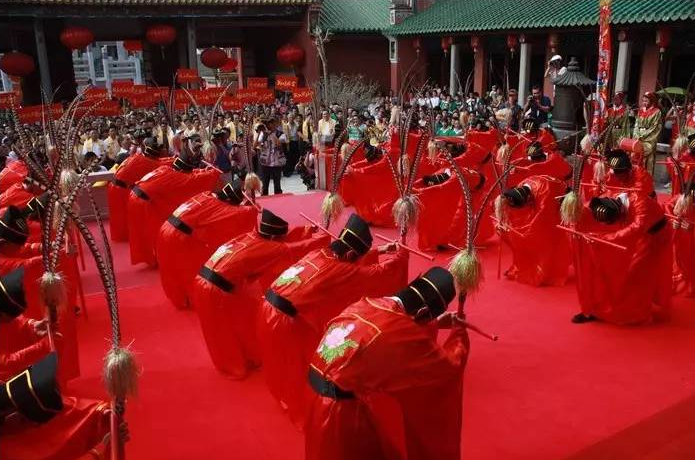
x=547, y=390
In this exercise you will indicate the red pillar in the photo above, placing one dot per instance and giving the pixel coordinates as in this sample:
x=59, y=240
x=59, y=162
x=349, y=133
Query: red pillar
x=480, y=71
x=406, y=57
x=310, y=67
x=650, y=69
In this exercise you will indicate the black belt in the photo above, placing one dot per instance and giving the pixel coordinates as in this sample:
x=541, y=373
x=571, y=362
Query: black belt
x=140, y=193
x=326, y=387
x=216, y=279
x=119, y=183
x=180, y=225
x=657, y=226
x=280, y=303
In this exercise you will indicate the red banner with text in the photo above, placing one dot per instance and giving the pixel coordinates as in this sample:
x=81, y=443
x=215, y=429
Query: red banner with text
x=187, y=76
x=285, y=82
x=122, y=88
x=302, y=95
x=36, y=113
x=256, y=82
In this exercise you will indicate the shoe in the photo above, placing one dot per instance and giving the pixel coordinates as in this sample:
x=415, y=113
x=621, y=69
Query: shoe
x=581, y=318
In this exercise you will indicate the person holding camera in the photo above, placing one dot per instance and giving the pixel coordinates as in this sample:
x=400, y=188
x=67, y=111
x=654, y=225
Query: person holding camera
x=538, y=106
x=271, y=158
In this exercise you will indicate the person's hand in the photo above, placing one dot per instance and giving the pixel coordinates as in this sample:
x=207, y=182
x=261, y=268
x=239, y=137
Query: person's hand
x=123, y=434
x=449, y=320
x=40, y=327
x=389, y=247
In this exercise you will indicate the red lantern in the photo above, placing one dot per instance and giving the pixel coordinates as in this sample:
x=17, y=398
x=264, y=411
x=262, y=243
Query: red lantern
x=17, y=64
x=663, y=39
x=132, y=45
x=417, y=44
x=512, y=43
x=229, y=66
x=290, y=55
x=475, y=43
x=76, y=38
x=553, y=41
x=213, y=58
x=161, y=34
x=446, y=44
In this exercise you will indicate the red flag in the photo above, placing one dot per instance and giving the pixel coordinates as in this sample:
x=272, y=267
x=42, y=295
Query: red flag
x=300, y=95
x=6, y=98
x=604, y=69
x=285, y=82
x=187, y=76
x=36, y=113
x=256, y=82
x=231, y=103
x=121, y=88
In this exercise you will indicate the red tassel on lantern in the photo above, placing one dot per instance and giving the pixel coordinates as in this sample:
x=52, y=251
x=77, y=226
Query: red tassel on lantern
x=16, y=64
x=663, y=40
x=512, y=43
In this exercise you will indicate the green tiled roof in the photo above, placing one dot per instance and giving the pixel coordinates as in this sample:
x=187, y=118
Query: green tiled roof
x=452, y=16
x=355, y=15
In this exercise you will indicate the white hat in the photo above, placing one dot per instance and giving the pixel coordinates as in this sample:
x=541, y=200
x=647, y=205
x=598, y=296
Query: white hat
x=557, y=57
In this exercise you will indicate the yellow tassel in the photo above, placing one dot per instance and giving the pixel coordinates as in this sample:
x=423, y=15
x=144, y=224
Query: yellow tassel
x=502, y=153
x=683, y=203
x=586, y=144
x=53, y=291
x=680, y=144
x=120, y=373
x=500, y=208
x=68, y=181
x=571, y=208
x=431, y=150
x=332, y=207
x=405, y=211
x=344, y=149
x=252, y=183
x=467, y=270
x=404, y=165
x=208, y=151
x=599, y=171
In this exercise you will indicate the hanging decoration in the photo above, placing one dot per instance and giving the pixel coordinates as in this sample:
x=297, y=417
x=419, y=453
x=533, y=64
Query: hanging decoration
x=76, y=38
x=132, y=46
x=17, y=64
x=553, y=42
x=512, y=43
x=161, y=34
x=229, y=66
x=446, y=44
x=417, y=44
x=663, y=40
x=476, y=43
x=604, y=70
x=214, y=58
x=290, y=55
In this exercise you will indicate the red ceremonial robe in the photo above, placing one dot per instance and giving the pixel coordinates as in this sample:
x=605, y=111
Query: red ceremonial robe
x=683, y=249
x=15, y=195
x=439, y=204
x=69, y=435
x=541, y=251
x=20, y=347
x=553, y=166
x=166, y=187
x=13, y=256
x=189, y=237
x=11, y=174
x=318, y=287
x=631, y=286
x=518, y=143
x=638, y=180
x=377, y=352
x=129, y=172
x=687, y=162
x=228, y=310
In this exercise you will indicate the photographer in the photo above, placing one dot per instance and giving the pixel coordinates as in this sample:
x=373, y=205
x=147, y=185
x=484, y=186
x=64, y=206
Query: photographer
x=271, y=158
x=538, y=106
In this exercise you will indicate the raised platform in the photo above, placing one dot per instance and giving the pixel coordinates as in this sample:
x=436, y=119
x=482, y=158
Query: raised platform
x=549, y=389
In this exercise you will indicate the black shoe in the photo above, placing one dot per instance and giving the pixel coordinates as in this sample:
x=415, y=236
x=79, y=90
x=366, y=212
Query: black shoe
x=581, y=318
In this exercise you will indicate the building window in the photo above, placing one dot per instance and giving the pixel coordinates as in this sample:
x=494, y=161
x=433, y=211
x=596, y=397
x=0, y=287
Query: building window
x=393, y=50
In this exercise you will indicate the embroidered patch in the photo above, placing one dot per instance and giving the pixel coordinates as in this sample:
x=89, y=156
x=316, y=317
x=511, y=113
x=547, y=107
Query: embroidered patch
x=221, y=252
x=181, y=209
x=148, y=176
x=336, y=342
x=291, y=275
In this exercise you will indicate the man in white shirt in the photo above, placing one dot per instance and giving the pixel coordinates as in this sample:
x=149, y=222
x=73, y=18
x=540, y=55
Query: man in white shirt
x=326, y=128
x=93, y=144
x=111, y=148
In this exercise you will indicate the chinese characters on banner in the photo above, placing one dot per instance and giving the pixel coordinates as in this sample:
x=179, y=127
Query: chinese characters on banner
x=121, y=88
x=302, y=95
x=6, y=100
x=187, y=76
x=36, y=113
x=256, y=83
x=285, y=82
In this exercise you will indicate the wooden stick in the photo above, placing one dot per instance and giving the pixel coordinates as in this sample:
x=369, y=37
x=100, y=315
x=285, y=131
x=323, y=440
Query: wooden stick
x=316, y=224
x=493, y=337
x=679, y=219
x=615, y=187
x=507, y=228
x=499, y=260
x=253, y=203
x=407, y=248
x=592, y=238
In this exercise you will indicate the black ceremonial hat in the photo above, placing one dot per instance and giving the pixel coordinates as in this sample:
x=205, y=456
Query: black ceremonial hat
x=13, y=226
x=619, y=160
x=12, y=300
x=37, y=205
x=435, y=179
x=232, y=192
x=435, y=289
x=691, y=142
x=34, y=392
x=517, y=196
x=530, y=124
x=271, y=225
x=355, y=236
x=606, y=210
x=535, y=152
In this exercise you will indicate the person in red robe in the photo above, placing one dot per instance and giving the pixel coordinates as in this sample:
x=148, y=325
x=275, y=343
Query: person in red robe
x=683, y=242
x=541, y=253
x=539, y=163
x=20, y=193
x=630, y=286
x=13, y=173
x=308, y=294
x=127, y=174
x=19, y=290
x=33, y=213
x=686, y=161
x=383, y=386
x=14, y=233
x=228, y=291
x=518, y=142
x=623, y=176
x=155, y=196
x=193, y=232
x=441, y=198
x=40, y=423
